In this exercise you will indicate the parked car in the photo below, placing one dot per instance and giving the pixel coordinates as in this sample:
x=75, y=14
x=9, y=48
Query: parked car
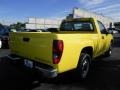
x=116, y=35
x=114, y=30
x=4, y=36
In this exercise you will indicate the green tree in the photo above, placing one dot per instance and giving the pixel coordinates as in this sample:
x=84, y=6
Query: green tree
x=18, y=26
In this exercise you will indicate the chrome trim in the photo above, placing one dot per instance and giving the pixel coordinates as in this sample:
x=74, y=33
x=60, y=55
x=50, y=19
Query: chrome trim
x=48, y=73
x=16, y=58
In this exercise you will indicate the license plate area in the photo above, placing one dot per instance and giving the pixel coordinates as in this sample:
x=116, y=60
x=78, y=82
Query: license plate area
x=28, y=63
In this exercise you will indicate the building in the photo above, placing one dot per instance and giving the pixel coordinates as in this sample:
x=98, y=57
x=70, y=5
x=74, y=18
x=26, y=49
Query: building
x=41, y=23
x=78, y=13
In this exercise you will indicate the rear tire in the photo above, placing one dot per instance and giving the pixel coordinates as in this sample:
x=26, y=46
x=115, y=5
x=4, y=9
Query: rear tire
x=84, y=65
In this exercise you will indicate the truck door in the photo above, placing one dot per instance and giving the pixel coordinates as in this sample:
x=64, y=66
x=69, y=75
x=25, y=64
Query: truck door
x=103, y=38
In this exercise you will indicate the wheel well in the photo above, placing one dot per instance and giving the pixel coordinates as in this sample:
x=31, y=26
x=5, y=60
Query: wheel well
x=88, y=50
x=112, y=42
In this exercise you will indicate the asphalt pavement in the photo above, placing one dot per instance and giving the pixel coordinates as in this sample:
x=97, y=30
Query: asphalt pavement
x=4, y=52
x=104, y=75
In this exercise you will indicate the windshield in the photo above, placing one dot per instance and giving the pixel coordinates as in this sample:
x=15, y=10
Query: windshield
x=76, y=26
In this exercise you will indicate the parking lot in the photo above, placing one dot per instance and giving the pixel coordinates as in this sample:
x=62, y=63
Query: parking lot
x=104, y=75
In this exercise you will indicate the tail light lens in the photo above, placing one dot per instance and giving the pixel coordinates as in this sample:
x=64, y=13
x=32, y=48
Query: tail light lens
x=58, y=47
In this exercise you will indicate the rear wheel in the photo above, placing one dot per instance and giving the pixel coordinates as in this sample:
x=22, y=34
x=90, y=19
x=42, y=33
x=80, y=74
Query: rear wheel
x=84, y=65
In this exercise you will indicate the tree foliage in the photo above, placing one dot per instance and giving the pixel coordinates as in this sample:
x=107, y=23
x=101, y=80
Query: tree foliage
x=18, y=26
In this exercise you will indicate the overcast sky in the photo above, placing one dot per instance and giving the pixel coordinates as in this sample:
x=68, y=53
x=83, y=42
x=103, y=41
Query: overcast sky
x=19, y=10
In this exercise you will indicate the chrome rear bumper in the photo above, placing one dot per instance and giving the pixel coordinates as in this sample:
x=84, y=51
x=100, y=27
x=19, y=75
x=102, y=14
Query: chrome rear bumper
x=45, y=70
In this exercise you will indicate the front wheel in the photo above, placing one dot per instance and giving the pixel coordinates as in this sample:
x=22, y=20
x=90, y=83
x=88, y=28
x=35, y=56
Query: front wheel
x=109, y=52
x=84, y=65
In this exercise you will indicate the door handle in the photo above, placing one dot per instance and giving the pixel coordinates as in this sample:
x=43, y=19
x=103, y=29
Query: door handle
x=26, y=39
x=102, y=37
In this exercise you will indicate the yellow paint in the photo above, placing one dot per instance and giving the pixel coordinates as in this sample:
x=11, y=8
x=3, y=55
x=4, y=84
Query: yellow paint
x=39, y=47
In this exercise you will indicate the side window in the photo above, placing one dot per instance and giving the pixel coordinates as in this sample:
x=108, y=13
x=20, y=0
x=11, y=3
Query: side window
x=102, y=27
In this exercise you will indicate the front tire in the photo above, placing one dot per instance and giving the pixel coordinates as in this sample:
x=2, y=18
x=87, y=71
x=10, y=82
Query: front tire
x=84, y=65
x=109, y=52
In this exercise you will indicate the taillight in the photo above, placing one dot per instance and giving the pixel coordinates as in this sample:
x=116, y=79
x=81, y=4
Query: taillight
x=57, y=50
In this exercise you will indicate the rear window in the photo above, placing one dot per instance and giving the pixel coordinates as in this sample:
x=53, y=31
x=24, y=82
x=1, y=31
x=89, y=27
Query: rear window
x=76, y=26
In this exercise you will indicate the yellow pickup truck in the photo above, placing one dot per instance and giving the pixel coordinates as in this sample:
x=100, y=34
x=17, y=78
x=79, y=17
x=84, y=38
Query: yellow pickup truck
x=73, y=46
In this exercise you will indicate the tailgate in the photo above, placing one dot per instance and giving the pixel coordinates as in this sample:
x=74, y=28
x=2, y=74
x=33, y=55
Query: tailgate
x=36, y=46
